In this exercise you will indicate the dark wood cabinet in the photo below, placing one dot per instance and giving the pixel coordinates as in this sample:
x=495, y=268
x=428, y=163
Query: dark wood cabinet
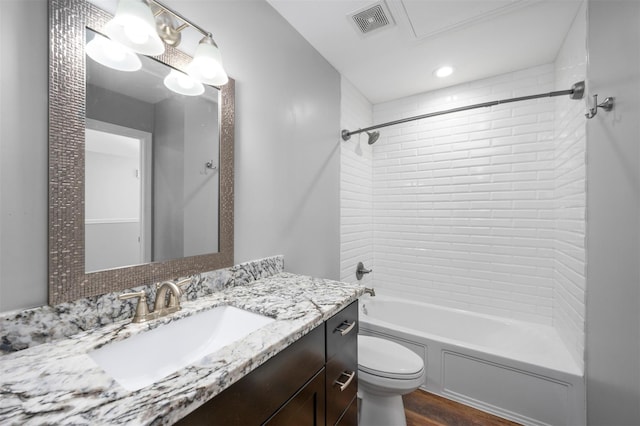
x=300, y=386
x=306, y=407
x=342, y=366
x=350, y=415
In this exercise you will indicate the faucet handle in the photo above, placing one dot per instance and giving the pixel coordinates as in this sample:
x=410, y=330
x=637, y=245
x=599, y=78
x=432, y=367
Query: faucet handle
x=361, y=270
x=182, y=285
x=142, y=309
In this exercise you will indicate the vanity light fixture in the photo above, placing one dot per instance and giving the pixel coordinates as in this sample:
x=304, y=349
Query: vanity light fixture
x=206, y=65
x=134, y=26
x=111, y=54
x=146, y=25
x=183, y=84
x=444, y=71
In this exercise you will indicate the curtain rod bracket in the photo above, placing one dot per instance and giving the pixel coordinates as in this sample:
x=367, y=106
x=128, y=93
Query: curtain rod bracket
x=577, y=90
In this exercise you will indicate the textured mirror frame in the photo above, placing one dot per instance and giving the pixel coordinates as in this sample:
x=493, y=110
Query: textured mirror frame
x=68, y=20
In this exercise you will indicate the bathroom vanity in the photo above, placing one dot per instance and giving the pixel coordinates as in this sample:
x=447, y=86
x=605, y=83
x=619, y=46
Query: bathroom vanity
x=288, y=367
x=312, y=382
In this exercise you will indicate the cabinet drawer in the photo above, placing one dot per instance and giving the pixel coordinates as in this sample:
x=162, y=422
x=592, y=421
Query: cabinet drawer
x=342, y=382
x=342, y=329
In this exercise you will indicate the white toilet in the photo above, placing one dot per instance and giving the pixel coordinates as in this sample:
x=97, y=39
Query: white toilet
x=386, y=371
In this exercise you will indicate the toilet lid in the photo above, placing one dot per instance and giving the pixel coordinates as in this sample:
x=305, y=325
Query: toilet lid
x=388, y=359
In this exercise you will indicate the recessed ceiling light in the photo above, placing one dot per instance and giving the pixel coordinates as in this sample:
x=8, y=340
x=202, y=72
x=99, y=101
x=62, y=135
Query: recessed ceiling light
x=444, y=71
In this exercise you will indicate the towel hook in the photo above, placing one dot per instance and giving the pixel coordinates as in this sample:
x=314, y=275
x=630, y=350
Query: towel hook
x=606, y=105
x=209, y=165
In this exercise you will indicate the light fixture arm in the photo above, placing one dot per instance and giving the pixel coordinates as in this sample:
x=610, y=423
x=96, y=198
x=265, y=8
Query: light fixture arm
x=179, y=16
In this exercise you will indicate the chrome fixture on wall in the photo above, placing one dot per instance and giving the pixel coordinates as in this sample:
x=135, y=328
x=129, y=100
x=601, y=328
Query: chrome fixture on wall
x=361, y=271
x=144, y=27
x=606, y=105
x=373, y=137
x=576, y=92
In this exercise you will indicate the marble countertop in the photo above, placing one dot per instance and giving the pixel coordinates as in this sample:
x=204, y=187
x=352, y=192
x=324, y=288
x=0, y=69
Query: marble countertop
x=58, y=383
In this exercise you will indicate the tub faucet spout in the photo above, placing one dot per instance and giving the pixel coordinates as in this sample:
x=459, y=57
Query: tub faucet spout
x=370, y=291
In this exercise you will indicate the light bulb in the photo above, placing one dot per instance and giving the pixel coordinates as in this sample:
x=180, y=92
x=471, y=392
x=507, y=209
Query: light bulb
x=183, y=84
x=185, y=81
x=207, y=69
x=114, y=51
x=134, y=26
x=206, y=66
x=136, y=34
x=112, y=54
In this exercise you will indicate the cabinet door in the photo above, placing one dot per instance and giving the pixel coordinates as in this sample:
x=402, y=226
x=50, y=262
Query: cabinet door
x=262, y=392
x=305, y=408
x=350, y=416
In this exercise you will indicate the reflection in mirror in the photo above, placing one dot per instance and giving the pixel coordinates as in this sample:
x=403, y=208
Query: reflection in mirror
x=151, y=167
x=117, y=195
x=151, y=183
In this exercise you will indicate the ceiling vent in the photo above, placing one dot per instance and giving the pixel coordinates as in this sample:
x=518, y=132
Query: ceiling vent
x=372, y=18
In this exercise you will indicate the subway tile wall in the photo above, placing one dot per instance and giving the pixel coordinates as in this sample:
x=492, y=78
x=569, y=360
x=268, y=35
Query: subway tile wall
x=356, y=186
x=481, y=210
x=463, y=204
x=570, y=189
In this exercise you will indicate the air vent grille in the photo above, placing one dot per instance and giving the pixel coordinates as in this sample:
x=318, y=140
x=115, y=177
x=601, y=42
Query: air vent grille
x=371, y=18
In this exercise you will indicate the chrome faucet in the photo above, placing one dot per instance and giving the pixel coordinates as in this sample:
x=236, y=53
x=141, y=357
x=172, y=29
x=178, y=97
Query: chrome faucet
x=370, y=291
x=162, y=306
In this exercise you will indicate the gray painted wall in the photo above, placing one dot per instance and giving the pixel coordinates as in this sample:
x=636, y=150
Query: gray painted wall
x=613, y=214
x=23, y=154
x=200, y=184
x=115, y=108
x=168, y=176
x=287, y=136
x=287, y=139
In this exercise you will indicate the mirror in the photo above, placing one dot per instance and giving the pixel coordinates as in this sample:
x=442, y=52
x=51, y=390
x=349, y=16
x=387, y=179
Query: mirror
x=140, y=178
x=151, y=167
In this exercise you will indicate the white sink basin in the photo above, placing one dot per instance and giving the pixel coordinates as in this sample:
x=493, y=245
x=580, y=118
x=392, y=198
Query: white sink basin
x=145, y=358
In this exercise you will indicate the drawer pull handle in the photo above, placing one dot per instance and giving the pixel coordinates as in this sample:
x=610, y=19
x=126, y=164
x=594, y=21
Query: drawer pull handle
x=344, y=385
x=345, y=327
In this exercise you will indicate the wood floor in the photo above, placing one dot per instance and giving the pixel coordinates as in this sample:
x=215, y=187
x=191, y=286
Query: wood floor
x=425, y=409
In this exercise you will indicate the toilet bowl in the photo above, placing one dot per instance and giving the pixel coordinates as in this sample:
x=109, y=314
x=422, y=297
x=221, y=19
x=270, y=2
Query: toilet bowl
x=386, y=371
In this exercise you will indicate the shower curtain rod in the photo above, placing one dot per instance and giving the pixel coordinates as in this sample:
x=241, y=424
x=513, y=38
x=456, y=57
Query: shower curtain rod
x=576, y=92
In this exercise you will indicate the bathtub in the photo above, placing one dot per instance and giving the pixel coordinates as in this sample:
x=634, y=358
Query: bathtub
x=513, y=369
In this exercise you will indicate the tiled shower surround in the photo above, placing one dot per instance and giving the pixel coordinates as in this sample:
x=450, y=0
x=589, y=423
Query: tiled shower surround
x=570, y=194
x=482, y=210
x=463, y=203
x=356, y=186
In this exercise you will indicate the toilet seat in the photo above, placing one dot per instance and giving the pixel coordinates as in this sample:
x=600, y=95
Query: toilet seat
x=383, y=358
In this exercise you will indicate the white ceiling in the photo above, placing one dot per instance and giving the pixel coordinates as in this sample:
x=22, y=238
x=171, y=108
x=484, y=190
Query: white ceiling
x=479, y=38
